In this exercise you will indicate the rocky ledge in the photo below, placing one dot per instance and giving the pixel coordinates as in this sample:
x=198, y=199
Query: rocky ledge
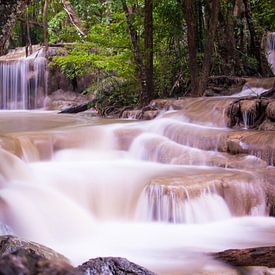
x=252, y=113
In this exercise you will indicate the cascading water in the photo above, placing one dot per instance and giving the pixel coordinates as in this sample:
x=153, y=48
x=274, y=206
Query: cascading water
x=23, y=82
x=158, y=192
x=270, y=49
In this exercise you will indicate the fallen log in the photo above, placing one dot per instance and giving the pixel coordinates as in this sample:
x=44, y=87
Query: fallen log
x=259, y=256
x=79, y=108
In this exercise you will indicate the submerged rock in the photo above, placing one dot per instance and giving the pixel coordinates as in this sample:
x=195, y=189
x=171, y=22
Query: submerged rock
x=112, y=266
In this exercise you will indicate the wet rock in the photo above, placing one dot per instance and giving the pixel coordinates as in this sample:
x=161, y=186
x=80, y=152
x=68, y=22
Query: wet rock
x=140, y=114
x=131, y=114
x=112, y=266
x=258, y=143
x=170, y=199
x=148, y=115
x=267, y=125
x=10, y=244
x=259, y=256
x=27, y=262
x=270, y=110
x=252, y=113
x=21, y=257
x=250, y=110
x=61, y=99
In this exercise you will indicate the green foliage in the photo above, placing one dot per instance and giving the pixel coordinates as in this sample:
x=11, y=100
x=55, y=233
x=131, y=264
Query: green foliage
x=264, y=14
x=106, y=51
x=113, y=93
x=58, y=32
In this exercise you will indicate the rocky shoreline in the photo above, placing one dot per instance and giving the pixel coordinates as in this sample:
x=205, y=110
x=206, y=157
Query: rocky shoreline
x=21, y=257
x=18, y=256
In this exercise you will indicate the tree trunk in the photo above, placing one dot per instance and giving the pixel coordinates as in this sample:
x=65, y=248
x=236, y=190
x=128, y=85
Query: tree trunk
x=148, y=43
x=74, y=18
x=45, y=26
x=136, y=51
x=9, y=12
x=29, y=43
x=207, y=60
x=192, y=45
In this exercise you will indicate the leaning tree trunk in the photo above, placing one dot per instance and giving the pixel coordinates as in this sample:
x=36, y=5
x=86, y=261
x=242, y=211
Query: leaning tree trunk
x=9, y=10
x=74, y=18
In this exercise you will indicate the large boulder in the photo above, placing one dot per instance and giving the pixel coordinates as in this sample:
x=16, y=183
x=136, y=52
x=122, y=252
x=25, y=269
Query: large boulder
x=28, y=262
x=21, y=257
x=10, y=244
x=112, y=266
x=61, y=99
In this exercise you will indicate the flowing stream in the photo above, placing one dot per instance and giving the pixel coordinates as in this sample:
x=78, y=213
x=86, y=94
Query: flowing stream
x=161, y=193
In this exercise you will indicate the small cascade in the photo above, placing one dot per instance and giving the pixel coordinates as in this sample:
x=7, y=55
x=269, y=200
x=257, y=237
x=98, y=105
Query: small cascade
x=139, y=190
x=177, y=205
x=270, y=49
x=248, y=90
x=23, y=82
x=200, y=199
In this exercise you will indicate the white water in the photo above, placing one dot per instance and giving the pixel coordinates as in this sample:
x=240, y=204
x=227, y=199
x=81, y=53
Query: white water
x=250, y=91
x=23, y=82
x=270, y=49
x=114, y=190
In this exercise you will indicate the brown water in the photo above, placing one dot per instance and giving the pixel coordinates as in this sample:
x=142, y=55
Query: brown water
x=161, y=193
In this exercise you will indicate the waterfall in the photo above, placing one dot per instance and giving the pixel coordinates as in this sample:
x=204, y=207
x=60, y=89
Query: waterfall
x=270, y=48
x=23, y=82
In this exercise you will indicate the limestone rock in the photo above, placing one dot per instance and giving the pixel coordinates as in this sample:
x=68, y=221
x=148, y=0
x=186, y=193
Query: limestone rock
x=267, y=125
x=131, y=114
x=112, y=266
x=148, y=115
x=61, y=99
x=250, y=110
